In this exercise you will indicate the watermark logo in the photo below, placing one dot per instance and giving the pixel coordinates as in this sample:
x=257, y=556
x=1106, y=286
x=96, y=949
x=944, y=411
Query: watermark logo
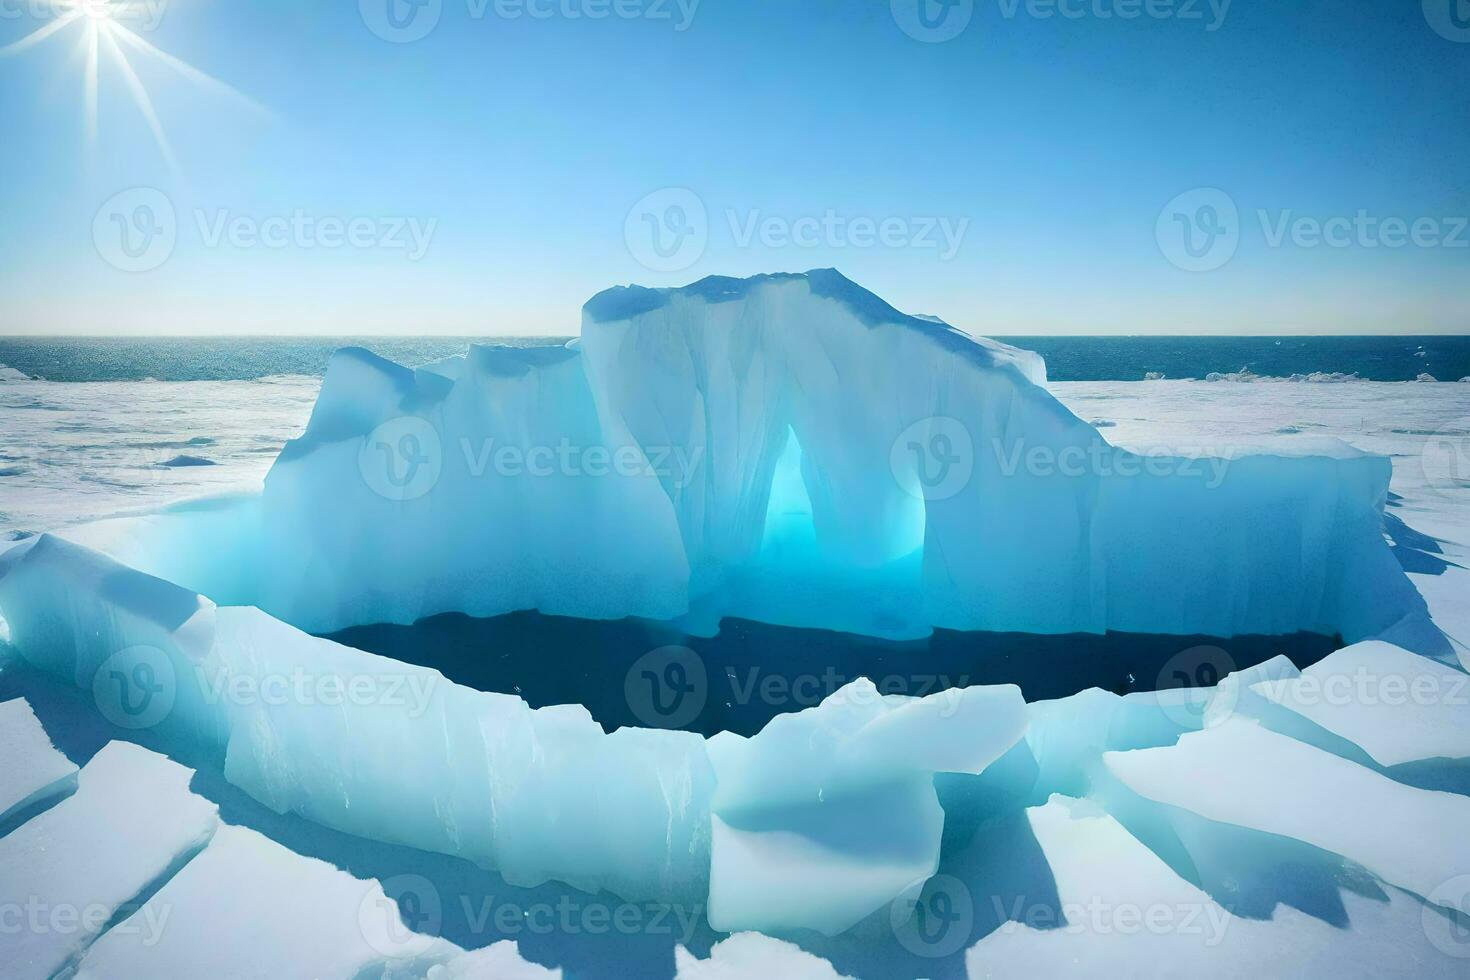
x=667, y=687
x=936, y=923
x=934, y=458
x=1204, y=921
x=138, y=229
x=141, y=15
x=932, y=21
x=402, y=458
x=135, y=230
x=1446, y=917
x=667, y=231
x=36, y=916
x=1196, y=668
x=396, y=918
x=135, y=688
x=1445, y=463
x=1199, y=230
x=401, y=21
x=409, y=691
x=1450, y=19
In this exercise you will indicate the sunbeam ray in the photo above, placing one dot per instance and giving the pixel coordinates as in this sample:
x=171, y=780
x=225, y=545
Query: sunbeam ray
x=102, y=20
x=89, y=90
x=40, y=34
x=140, y=96
x=120, y=32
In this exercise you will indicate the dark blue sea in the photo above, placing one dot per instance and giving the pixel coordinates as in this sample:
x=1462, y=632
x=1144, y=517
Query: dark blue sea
x=1067, y=358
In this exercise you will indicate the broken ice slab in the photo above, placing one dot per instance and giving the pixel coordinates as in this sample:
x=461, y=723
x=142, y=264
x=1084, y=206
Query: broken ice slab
x=1068, y=736
x=131, y=823
x=498, y=961
x=1395, y=705
x=1120, y=910
x=247, y=907
x=831, y=813
x=748, y=955
x=1241, y=774
x=31, y=770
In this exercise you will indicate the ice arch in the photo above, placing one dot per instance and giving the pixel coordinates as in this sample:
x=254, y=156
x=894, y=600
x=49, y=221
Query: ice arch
x=631, y=473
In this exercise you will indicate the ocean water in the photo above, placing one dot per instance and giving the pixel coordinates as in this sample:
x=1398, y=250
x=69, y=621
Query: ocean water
x=1067, y=358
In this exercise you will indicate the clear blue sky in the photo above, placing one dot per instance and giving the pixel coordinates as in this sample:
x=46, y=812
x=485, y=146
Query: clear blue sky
x=518, y=146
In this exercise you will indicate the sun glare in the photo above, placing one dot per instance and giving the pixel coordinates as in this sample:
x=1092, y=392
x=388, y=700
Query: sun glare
x=105, y=25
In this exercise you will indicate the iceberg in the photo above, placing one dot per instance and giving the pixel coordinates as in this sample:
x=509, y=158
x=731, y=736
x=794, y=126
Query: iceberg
x=788, y=449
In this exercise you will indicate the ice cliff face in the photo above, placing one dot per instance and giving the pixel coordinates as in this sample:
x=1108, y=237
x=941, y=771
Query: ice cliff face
x=787, y=448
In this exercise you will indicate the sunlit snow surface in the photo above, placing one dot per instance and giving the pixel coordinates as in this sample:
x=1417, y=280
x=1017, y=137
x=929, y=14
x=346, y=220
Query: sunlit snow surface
x=1272, y=826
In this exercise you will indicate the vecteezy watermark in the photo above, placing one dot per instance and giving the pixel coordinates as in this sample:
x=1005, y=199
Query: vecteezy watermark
x=1096, y=458
x=398, y=916
x=1197, y=668
x=1445, y=917
x=141, y=15
x=301, y=229
x=404, y=458
x=675, y=465
x=405, y=21
x=670, y=686
x=137, y=230
x=135, y=688
x=1450, y=19
x=36, y=916
x=1200, y=230
x=934, y=458
x=410, y=690
x=401, y=459
x=1366, y=687
x=669, y=230
x=667, y=687
x=1445, y=462
x=935, y=919
x=934, y=21
x=829, y=229
x=1100, y=917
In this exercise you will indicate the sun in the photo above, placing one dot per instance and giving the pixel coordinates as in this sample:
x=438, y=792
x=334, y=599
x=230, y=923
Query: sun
x=105, y=27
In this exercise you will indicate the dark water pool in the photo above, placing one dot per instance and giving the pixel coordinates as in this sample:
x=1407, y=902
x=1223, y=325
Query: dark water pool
x=648, y=674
